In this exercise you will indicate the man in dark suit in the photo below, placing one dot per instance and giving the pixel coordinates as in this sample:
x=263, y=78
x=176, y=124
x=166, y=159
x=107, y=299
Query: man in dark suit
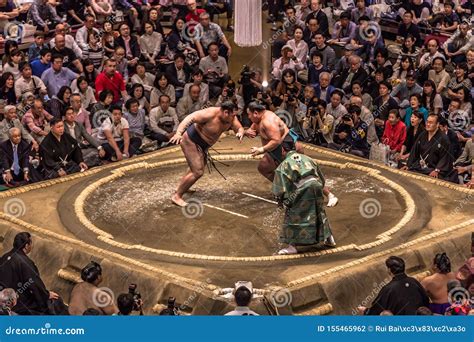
x=351, y=74
x=15, y=158
x=322, y=18
x=19, y=272
x=178, y=74
x=133, y=52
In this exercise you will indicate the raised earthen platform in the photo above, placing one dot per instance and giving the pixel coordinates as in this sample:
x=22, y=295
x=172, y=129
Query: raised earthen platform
x=120, y=215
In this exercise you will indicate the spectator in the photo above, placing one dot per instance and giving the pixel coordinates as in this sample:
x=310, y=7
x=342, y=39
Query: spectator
x=10, y=120
x=177, y=74
x=210, y=33
x=130, y=44
x=115, y=138
x=464, y=163
x=27, y=83
x=36, y=121
x=39, y=65
x=395, y=132
x=84, y=296
x=101, y=110
x=146, y=79
x=35, y=48
x=430, y=154
x=198, y=77
x=344, y=30
x=335, y=107
x=111, y=80
x=355, y=72
x=405, y=89
x=83, y=33
x=323, y=90
x=189, y=104
x=58, y=104
x=458, y=44
x=329, y=55
x=382, y=107
x=15, y=159
x=407, y=27
x=60, y=153
x=136, y=119
x=448, y=21
x=57, y=76
x=361, y=10
x=436, y=284
x=82, y=115
x=214, y=68
x=214, y=7
x=8, y=300
x=316, y=67
x=403, y=295
x=299, y=46
x=430, y=99
x=85, y=91
x=150, y=44
x=18, y=270
x=322, y=18
x=126, y=304
x=242, y=297
x=352, y=134
x=286, y=61
x=94, y=52
x=439, y=76
x=13, y=63
x=162, y=86
x=415, y=106
x=41, y=11
x=70, y=41
x=7, y=88
x=70, y=59
x=163, y=121
x=454, y=145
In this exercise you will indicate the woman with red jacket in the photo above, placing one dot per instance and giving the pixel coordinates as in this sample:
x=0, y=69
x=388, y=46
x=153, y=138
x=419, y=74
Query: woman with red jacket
x=395, y=132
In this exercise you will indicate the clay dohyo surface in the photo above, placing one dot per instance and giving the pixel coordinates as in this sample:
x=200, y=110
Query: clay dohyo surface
x=121, y=213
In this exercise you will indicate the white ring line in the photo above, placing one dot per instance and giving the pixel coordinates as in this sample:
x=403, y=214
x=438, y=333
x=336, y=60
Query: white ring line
x=225, y=210
x=260, y=198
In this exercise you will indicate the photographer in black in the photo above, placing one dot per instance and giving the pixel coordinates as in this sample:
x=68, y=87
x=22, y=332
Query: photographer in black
x=229, y=94
x=131, y=301
x=293, y=112
x=319, y=125
x=250, y=86
x=351, y=134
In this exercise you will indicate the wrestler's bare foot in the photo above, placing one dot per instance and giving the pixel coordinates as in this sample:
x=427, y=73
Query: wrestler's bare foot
x=178, y=200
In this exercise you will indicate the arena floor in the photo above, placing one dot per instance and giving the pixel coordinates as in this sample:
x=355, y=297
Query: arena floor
x=121, y=214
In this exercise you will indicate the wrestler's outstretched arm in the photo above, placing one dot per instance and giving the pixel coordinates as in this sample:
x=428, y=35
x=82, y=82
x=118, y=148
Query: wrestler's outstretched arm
x=273, y=133
x=252, y=131
x=238, y=129
x=200, y=116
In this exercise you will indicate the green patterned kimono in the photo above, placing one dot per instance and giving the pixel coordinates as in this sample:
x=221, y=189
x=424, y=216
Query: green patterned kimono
x=299, y=184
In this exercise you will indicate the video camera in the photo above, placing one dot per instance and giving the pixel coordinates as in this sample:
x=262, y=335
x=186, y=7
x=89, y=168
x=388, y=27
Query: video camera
x=137, y=303
x=246, y=75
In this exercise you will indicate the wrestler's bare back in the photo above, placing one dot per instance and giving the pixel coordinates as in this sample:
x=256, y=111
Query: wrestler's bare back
x=271, y=127
x=210, y=124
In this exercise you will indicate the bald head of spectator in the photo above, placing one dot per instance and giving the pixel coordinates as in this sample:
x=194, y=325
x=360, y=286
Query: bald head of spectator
x=194, y=92
x=354, y=62
x=60, y=41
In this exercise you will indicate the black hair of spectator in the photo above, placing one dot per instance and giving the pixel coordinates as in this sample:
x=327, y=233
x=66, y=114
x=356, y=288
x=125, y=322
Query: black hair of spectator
x=88, y=15
x=139, y=64
x=9, y=44
x=57, y=56
x=23, y=65
x=131, y=101
x=316, y=53
x=456, y=100
x=396, y=265
x=387, y=84
x=419, y=115
x=44, y=51
x=158, y=77
x=256, y=106
x=463, y=66
x=359, y=83
x=125, y=303
x=55, y=121
x=116, y=107
x=424, y=311
x=39, y=34
x=409, y=13
x=86, y=62
x=91, y=272
x=21, y=240
x=320, y=102
x=467, y=94
x=449, y=3
x=442, y=262
x=379, y=70
x=345, y=15
x=442, y=121
x=289, y=6
x=242, y=296
x=135, y=86
x=418, y=97
x=353, y=109
x=123, y=24
x=62, y=90
x=149, y=22
x=212, y=44
x=179, y=55
x=15, y=52
x=338, y=92
x=174, y=27
x=439, y=59
x=67, y=109
x=287, y=72
x=228, y=106
x=196, y=72
x=363, y=18
x=383, y=51
x=395, y=112
x=103, y=94
x=91, y=312
x=163, y=95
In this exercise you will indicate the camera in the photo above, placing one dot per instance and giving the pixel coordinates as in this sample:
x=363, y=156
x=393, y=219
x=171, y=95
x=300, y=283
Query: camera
x=346, y=117
x=246, y=75
x=314, y=111
x=230, y=92
x=132, y=289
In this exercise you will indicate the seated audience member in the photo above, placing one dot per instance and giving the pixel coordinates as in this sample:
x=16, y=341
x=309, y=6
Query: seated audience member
x=189, y=104
x=286, y=61
x=214, y=7
x=319, y=14
x=41, y=12
x=126, y=304
x=243, y=298
x=335, y=106
x=215, y=70
x=299, y=46
x=395, y=132
x=344, y=30
x=135, y=118
x=439, y=76
x=163, y=121
x=71, y=60
x=424, y=63
x=361, y=10
x=35, y=48
x=405, y=89
x=41, y=64
x=60, y=153
x=455, y=148
x=178, y=74
x=82, y=115
x=210, y=33
x=430, y=99
x=457, y=45
x=413, y=132
x=323, y=90
x=130, y=44
x=430, y=154
x=85, y=91
x=15, y=159
x=70, y=41
x=435, y=285
x=82, y=34
x=367, y=117
x=110, y=79
x=146, y=79
x=448, y=21
x=408, y=27
x=59, y=102
x=162, y=86
x=464, y=164
x=90, y=147
x=150, y=44
x=198, y=77
x=415, y=106
x=382, y=107
x=329, y=55
x=115, y=138
x=36, y=120
x=403, y=295
x=315, y=68
x=352, y=134
x=355, y=72
x=11, y=121
x=17, y=270
x=27, y=83
x=8, y=300
x=57, y=76
x=85, y=295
